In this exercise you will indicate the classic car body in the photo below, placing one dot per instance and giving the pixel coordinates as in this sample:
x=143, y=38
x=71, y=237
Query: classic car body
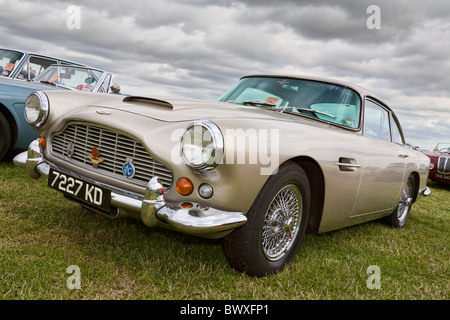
x=16, y=133
x=440, y=161
x=275, y=155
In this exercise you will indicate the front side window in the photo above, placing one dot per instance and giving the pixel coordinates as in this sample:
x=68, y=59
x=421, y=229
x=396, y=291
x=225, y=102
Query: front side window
x=8, y=61
x=376, y=121
x=105, y=85
x=318, y=100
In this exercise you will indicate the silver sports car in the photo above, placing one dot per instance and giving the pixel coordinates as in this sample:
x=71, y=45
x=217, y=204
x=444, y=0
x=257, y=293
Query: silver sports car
x=276, y=155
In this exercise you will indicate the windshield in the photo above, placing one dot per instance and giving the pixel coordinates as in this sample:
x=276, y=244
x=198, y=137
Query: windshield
x=79, y=78
x=319, y=100
x=442, y=147
x=8, y=60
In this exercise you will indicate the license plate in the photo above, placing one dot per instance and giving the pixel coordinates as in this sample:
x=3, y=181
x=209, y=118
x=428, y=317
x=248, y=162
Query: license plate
x=442, y=176
x=80, y=189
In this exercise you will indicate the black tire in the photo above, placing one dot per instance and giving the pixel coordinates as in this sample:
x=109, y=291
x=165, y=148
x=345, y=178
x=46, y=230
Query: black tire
x=271, y=237
x=5, y=136
x=401, y=214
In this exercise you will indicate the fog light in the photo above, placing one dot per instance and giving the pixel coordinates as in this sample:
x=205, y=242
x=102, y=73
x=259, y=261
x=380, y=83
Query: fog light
x=186, y=205
x=184, y=186
x=205, y=191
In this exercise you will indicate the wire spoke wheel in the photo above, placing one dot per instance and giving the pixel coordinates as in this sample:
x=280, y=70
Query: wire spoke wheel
x=405, y=201
x=282, y=222
x=400, y=216
x=276, y=224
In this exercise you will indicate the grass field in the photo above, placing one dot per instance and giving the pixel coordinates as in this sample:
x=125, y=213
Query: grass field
x=42, y=234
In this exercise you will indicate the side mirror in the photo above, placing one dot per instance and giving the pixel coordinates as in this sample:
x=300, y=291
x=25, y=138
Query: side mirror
x=416, y=148
x=115, y=88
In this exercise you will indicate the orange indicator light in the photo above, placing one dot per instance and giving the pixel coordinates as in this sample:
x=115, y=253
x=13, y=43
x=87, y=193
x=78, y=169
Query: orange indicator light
x=43, y=143
x=184, y=186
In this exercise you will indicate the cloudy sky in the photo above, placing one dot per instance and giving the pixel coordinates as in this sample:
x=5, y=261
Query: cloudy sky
x=199, y=48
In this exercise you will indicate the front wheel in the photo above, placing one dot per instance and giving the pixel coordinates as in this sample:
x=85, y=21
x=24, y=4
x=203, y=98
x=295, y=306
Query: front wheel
x=5, y=134
x=399, y=217
x=275, y=227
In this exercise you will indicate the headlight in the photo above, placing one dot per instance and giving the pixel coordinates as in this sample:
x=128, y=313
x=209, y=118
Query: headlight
x=36, y=109
x=202, y=145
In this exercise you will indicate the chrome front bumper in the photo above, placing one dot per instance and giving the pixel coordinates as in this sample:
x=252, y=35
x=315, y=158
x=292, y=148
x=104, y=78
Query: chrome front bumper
x=153, y=210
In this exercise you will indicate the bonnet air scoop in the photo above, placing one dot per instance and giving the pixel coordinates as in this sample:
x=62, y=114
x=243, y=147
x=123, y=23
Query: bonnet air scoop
x=146, y=100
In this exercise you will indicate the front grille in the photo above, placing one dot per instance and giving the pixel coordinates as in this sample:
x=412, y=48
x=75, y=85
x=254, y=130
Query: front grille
x=443, y=165
x=114, y=148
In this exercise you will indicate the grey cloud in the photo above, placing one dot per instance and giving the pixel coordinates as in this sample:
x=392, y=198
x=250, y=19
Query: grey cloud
x=346, y=19
x=199, y=48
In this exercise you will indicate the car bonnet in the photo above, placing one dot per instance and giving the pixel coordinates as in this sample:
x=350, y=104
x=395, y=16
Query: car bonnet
x=181, y=109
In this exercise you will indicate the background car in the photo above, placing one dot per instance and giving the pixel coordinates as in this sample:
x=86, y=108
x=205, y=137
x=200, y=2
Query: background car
x=16, y=133
x=274, y=156
x=440, y=160
x=24, y=65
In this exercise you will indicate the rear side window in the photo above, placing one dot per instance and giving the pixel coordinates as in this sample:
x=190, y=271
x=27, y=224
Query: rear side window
x=376, y=121
x=396, y=133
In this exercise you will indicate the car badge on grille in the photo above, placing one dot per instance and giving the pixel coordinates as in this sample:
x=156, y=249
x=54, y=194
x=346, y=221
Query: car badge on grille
x=94, y=157
x=70, y=148
x=128, y=168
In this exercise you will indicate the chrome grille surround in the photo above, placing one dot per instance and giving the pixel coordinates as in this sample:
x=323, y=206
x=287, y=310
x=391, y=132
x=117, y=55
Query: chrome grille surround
x=115, y=148
x=443, y=165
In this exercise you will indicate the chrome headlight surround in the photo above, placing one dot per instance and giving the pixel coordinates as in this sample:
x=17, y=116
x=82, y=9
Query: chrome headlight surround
x=202, y=145
x=36, y=109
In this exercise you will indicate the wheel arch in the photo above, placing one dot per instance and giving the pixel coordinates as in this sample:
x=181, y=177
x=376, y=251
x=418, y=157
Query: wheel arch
x=12, y=123
x=416, y=185
x=317, y=186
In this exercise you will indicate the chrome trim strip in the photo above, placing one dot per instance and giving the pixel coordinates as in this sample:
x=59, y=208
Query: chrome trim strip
x=348, y=165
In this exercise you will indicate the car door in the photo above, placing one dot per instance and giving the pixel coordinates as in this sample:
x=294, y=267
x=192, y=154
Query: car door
x=382, y=163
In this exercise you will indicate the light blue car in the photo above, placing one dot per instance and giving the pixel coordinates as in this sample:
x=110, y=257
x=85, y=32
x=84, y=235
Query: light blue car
x=23, y=73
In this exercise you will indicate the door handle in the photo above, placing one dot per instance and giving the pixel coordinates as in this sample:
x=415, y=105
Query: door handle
x=403, y=155
x=347, y=164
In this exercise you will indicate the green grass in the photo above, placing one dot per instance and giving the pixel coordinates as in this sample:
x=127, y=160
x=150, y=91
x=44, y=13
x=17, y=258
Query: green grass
x=41, y=234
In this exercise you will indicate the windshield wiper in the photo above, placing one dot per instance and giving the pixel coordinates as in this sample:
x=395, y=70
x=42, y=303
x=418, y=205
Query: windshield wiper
x=311, y=110
x=48, y=82
x=258, y=103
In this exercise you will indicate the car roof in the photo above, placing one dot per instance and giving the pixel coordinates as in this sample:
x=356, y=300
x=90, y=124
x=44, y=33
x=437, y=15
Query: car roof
x=25, y=52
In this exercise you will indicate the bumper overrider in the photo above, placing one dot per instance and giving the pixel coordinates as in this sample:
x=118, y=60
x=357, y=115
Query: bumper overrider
x=153, y=210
